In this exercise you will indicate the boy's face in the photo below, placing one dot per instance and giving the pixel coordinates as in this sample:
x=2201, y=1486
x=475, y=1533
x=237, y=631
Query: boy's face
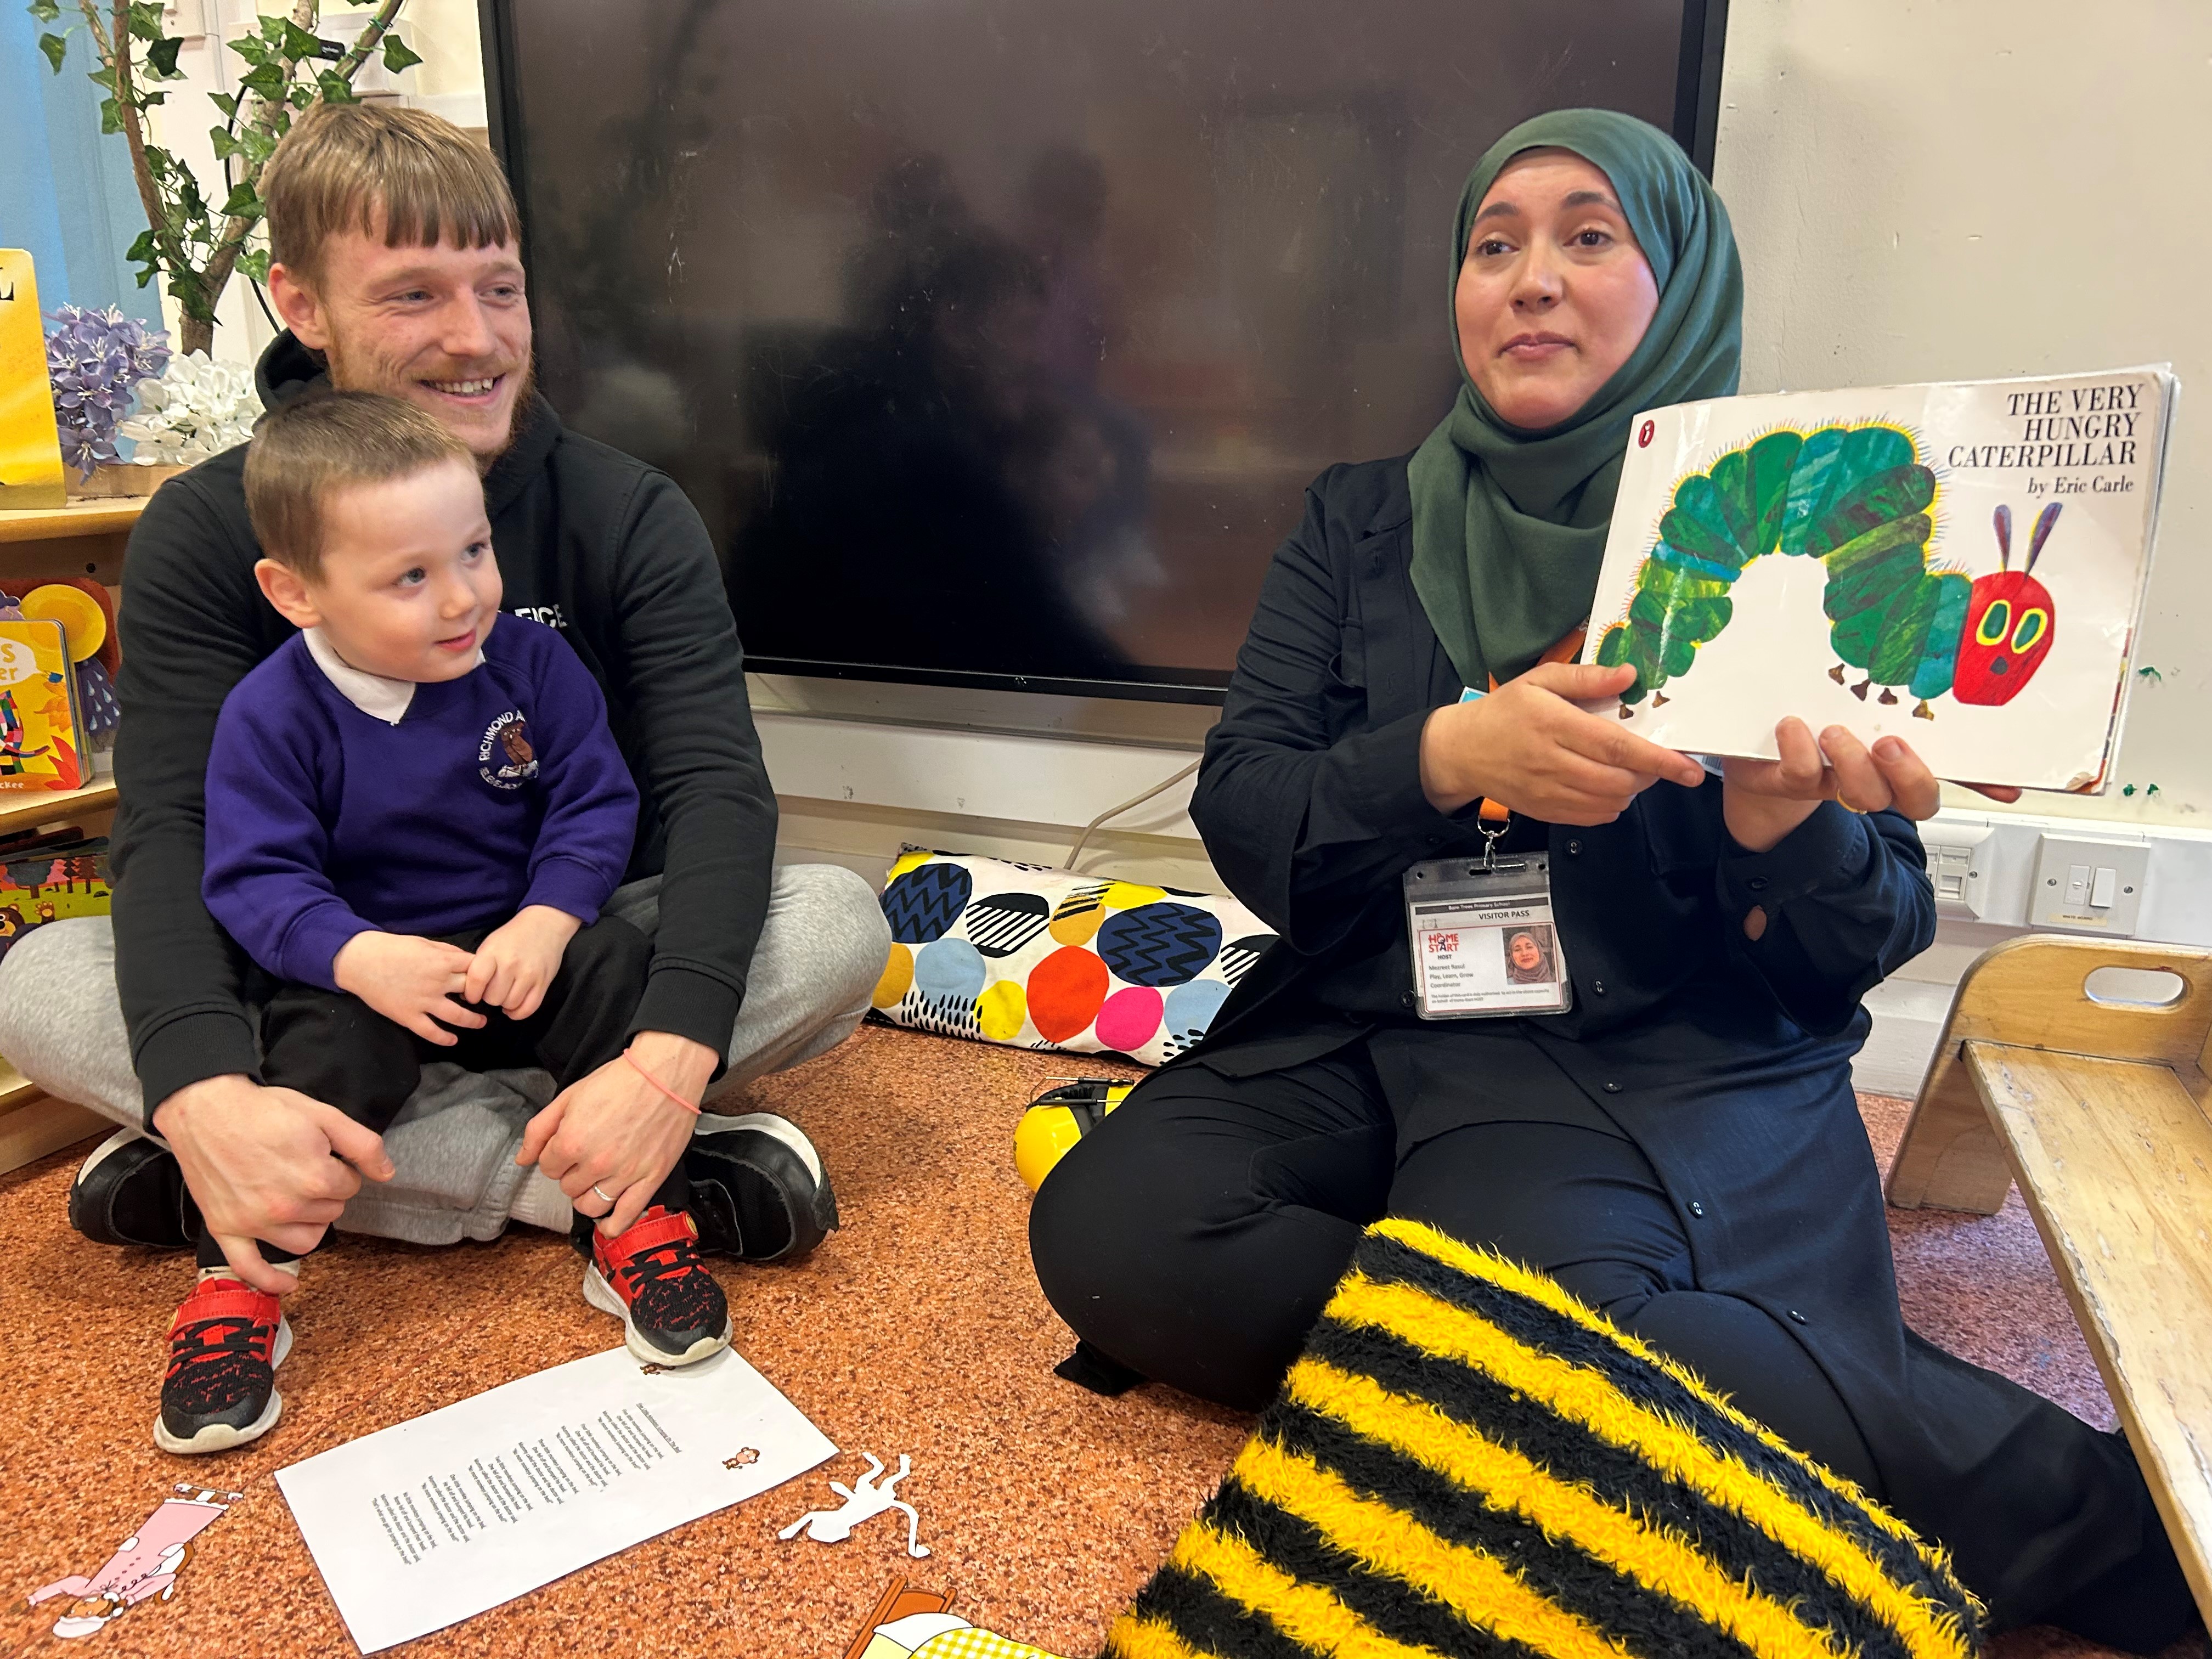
x=409, y=588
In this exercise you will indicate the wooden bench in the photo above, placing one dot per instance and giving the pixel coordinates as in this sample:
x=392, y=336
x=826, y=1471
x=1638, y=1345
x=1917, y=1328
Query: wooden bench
x=2097, y=1107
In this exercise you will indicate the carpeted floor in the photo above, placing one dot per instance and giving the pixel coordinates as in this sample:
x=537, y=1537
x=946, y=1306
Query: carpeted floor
x=918, y=1328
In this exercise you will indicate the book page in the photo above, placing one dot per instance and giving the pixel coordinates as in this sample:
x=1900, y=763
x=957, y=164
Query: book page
x=425, y=1523
x=1960, y=566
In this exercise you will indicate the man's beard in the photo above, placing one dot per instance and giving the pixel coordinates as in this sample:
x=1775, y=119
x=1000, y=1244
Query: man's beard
x=344, y=376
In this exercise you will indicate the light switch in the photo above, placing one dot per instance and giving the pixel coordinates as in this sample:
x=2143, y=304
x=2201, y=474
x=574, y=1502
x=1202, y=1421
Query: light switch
x=2089, y=885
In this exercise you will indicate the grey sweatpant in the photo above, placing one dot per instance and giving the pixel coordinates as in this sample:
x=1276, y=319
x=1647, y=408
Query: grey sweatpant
x=453, y=1145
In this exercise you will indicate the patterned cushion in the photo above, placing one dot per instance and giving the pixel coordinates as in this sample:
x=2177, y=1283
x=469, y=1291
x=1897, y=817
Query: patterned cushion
x=1465, y=1462
x=1042, y=958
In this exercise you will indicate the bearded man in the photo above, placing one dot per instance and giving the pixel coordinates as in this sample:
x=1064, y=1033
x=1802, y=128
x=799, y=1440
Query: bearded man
x=396, y=267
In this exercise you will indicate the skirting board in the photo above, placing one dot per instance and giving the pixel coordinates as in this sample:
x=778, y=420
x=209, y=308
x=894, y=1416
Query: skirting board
x=32, y=1130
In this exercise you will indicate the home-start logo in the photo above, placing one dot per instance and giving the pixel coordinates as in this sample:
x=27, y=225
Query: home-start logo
x=505, y=759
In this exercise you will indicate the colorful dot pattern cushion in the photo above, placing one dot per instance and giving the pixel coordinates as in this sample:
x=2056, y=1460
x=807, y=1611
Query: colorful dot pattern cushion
x=1042, y=958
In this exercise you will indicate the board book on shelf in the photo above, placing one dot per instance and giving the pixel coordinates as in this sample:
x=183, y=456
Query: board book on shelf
x=42, y=740
x=1962, y=566
x=46, y=878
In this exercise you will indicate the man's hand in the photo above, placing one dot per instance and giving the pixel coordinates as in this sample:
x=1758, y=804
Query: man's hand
x=410, y=981
x=1764, y=800
x=615, y=1130
x=519, y=958
x=1528, y=748
x=264, y=1163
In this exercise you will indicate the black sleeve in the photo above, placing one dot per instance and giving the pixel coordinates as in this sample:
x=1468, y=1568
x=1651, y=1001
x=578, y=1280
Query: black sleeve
x=190, y=628
x=1848, y=902
x=1304, y=829
x=698, y=757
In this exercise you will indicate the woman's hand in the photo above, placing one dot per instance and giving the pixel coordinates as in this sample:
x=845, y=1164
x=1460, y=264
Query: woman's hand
x=1764, y=800
x=1528, y=747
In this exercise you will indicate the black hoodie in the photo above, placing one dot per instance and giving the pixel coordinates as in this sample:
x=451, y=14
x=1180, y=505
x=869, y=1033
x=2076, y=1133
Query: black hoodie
x=594, y=542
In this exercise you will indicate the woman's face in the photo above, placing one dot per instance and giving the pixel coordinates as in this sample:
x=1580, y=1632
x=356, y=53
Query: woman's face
x=1527, y=953
x=1554, y=294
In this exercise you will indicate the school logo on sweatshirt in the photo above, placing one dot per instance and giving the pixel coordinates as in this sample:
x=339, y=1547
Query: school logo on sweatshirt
x=505, y=759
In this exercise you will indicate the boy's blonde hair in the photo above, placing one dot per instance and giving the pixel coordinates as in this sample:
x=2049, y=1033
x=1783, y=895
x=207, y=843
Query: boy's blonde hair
x=328, y=442
x=367, y=167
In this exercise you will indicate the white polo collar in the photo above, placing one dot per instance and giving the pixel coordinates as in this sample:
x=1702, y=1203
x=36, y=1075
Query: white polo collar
x=373, y=694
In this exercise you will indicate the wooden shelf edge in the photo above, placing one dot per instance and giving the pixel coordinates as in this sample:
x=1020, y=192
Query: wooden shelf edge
x=92, y=517
x=26, y=809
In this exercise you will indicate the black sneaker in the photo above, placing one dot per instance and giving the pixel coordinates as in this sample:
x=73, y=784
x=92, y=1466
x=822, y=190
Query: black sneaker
x=758, y=1190
x=651, y=1279
x=225, y=1346
x=130, y=1191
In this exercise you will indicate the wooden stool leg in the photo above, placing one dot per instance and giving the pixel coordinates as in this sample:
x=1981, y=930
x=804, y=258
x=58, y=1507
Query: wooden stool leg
x=1950, y=1158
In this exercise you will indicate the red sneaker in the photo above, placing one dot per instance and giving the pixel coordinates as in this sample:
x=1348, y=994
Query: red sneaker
x=651, y=1279
x=225, y=1346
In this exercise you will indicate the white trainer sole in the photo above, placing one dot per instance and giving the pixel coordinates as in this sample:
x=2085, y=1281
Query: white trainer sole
x=601, y=1295
x=776, y=1128
x=221, y=1437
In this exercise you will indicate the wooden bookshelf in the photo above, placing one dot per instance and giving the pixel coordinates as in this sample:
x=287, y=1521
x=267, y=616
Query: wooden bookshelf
x=85, y=539
x=32, y=809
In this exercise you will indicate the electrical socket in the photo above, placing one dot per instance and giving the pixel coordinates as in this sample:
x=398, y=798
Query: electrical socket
x=2084, y=886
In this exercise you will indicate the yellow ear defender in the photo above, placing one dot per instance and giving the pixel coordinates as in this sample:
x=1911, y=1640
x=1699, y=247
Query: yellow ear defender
x=1056, y=1120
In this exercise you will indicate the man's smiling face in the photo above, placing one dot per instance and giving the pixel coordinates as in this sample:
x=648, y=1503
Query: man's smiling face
x=446, y=328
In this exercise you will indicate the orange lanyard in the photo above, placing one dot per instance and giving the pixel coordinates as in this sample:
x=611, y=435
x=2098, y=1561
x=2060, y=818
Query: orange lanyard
x=1564, y=650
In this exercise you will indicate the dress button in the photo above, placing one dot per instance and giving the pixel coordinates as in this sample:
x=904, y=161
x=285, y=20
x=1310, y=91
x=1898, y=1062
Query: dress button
x=1613, y=1088
x=1697, y=1209
x=1436, y=840
x=1757, y=884
x=1799, y=1317
x=1404, y=999
x=1574, y=848
x=1598, y=986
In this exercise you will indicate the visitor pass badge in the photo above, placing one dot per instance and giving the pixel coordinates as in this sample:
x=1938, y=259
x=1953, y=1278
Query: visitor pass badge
x=1483, y=940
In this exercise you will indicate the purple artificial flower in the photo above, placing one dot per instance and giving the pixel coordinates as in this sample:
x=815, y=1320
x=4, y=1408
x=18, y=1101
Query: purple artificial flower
x=95, y=359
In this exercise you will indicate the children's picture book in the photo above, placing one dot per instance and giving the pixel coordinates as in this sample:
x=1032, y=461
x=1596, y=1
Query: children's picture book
x=30, y=446
x=41, y=741
x=1962, y=566
x=49, y=878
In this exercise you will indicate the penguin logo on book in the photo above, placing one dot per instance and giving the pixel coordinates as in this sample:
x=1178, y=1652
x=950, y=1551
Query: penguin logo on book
x=505, y=759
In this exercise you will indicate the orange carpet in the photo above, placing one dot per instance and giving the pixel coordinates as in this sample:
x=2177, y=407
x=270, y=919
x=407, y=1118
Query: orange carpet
x=918, y=1328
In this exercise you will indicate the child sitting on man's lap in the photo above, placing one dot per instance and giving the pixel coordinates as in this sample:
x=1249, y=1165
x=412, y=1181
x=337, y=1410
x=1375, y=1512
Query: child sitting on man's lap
x=413, y=819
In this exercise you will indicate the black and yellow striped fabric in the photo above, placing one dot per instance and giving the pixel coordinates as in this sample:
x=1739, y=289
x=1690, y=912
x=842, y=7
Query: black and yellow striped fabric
x=1467, y=1462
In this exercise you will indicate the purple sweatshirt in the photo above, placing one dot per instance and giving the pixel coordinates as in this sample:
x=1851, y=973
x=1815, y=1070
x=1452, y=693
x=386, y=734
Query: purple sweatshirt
x=452, y=807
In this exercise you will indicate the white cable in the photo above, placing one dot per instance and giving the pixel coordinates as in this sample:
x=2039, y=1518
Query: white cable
x=1115, y=811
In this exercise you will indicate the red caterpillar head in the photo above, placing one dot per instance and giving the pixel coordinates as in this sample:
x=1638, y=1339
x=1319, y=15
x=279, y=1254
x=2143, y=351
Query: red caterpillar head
x=2009, y=622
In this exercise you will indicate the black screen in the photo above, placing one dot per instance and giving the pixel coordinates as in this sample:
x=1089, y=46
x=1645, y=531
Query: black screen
x=997, y=340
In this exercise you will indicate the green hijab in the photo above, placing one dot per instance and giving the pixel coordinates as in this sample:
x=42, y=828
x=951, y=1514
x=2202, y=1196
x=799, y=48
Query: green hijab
x=1508, y=526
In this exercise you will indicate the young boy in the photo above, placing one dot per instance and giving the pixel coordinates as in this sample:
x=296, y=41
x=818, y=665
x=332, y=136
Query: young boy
x=413, y=819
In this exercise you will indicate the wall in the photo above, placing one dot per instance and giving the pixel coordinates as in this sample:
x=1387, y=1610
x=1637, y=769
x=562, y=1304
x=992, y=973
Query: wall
x=65, y=193
x=1930, y=191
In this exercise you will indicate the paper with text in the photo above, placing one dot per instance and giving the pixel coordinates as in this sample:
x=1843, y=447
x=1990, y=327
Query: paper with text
x=425, y=1523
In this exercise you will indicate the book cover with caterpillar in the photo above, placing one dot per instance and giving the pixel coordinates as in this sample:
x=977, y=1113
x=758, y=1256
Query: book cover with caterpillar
x=1962, y=566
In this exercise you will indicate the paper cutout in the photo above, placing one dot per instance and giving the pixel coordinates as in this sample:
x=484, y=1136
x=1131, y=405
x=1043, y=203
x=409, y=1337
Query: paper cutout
x=745, y=1455
x=143, y=1567
x=863, y=1502
x=912, y=1624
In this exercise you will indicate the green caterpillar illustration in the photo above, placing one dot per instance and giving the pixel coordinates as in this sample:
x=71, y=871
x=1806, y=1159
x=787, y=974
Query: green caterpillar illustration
x=1857, y=499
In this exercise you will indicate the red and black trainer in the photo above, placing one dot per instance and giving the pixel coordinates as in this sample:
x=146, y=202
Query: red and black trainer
x=225, y=1346
x=651, y=1279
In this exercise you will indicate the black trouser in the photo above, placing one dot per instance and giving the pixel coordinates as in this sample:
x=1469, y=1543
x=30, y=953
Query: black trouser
x=1196, y=1235
x=336, y=1049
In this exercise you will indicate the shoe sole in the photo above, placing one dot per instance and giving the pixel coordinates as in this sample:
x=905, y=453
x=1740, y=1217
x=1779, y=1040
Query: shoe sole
x=776, y=1128
x=221, y=1437
x=602, y=1296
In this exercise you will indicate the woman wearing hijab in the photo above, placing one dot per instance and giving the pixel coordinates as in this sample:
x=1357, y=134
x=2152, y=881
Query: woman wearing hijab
x=1681, y=1149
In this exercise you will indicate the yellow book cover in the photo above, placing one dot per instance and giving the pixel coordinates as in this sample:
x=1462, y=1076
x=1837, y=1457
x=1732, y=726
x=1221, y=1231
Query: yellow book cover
x=30, y=448
x=40, y=740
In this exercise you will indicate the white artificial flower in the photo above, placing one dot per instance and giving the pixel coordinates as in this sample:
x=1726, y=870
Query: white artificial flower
x=199, y=408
